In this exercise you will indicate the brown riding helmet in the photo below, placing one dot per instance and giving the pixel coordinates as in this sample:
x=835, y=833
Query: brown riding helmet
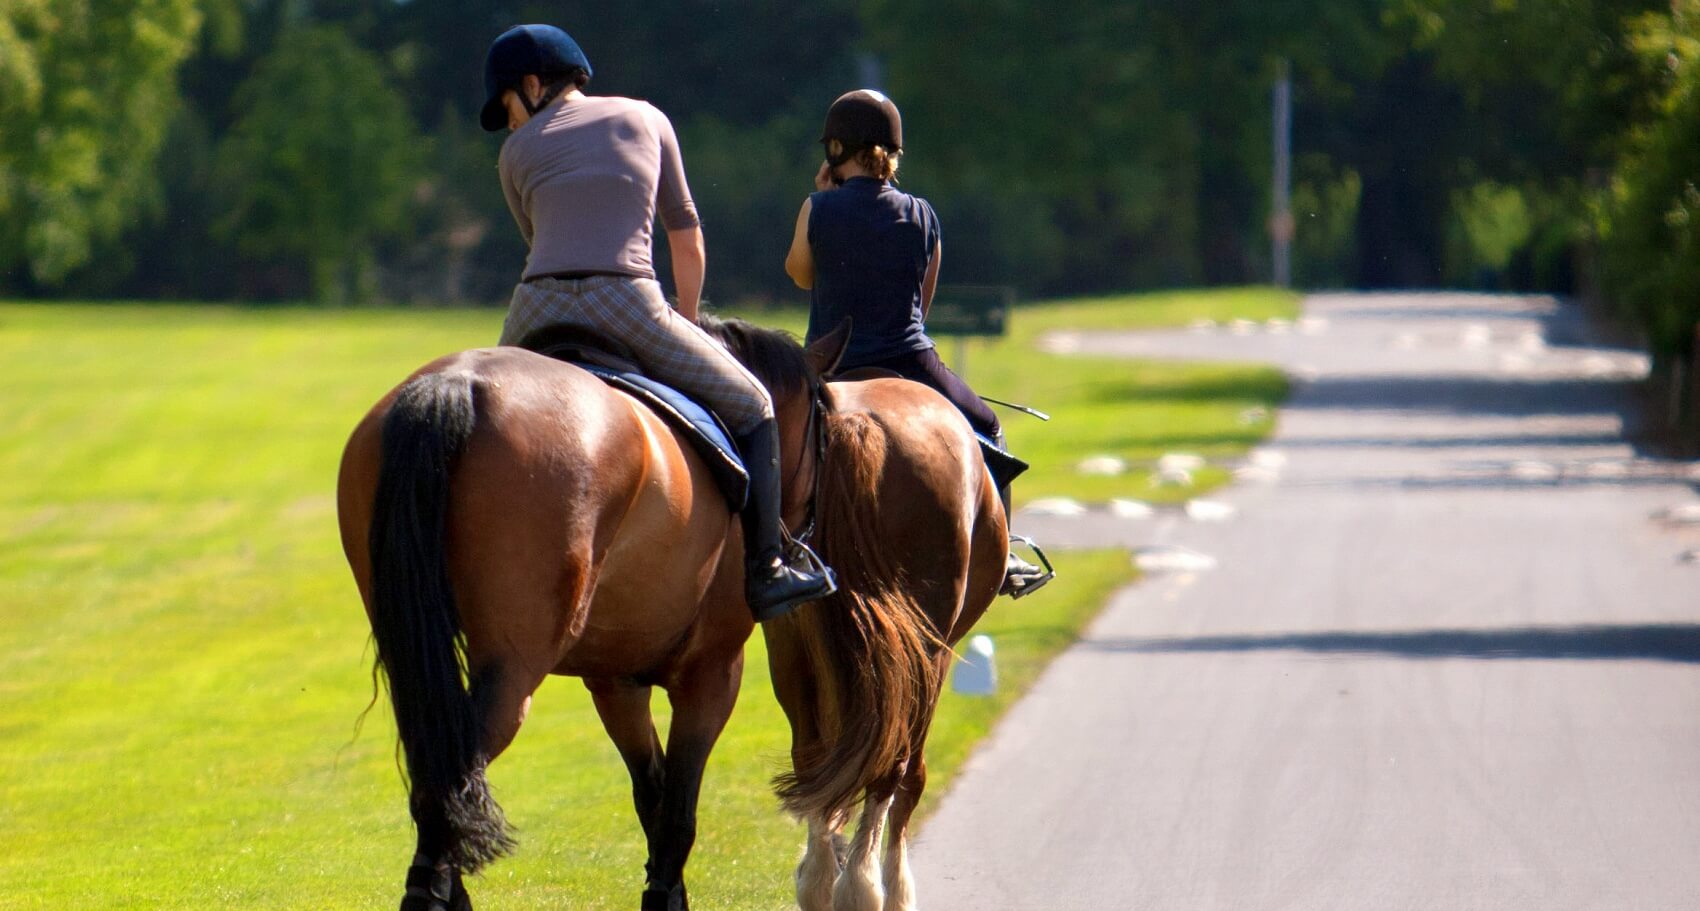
x=861, y=119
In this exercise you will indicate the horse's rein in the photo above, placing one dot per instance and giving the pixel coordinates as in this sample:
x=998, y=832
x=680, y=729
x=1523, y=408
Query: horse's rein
x=814, y=429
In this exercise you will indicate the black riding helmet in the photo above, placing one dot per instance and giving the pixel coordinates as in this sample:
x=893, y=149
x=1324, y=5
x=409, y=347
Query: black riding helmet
x=525, y=50
x=861, y=119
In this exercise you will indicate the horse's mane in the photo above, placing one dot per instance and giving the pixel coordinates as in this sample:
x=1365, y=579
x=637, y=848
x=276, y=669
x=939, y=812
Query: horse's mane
x=773, y=355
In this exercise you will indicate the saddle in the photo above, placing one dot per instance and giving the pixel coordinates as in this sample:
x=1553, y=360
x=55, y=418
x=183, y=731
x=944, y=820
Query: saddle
x=612, y=362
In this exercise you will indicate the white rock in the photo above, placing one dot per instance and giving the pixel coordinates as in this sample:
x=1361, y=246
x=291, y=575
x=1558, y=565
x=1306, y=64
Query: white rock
x=1172, y=558
x=1171, y=477
x=1054, y=506
x=1313, y=325
x=1535, y=471
x=1102, y=466
x=1532, y=342
x=1599, y=365
x=1209, y=511
x=1256, y=474
x=1683, y=514
x=1060, y=343
x=1202, y=325
x=1607, y=469
x=1184, y=461
x=1268, y=458
x=1131, y=509
x=1476, y=335
x=1406, y=341
x=1514, y=363
x=1242, y=327
x=1278, y=326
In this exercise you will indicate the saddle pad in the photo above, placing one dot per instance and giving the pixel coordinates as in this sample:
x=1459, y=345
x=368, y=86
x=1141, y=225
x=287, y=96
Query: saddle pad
x=707, y=434
x=1003, y=465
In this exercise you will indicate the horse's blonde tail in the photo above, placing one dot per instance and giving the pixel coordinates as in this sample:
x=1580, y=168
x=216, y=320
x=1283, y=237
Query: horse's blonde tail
x=872, y=652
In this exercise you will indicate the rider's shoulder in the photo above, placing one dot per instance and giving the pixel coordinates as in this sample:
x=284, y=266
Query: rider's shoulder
x=620, y=104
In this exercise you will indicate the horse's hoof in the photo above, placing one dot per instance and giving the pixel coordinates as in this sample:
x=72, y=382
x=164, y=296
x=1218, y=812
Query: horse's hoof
x=434, y=888
x=665, y=899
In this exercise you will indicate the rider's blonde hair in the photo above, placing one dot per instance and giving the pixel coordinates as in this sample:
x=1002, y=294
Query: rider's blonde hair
x=876, y=160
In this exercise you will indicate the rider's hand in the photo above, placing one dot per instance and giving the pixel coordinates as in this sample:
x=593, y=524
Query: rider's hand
x=823, y=177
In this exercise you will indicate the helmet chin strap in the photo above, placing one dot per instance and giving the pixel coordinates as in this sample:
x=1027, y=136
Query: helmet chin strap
x=549, y=95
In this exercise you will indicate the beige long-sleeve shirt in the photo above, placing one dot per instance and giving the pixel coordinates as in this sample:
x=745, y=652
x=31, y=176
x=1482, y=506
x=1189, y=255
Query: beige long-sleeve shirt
x=585, y=180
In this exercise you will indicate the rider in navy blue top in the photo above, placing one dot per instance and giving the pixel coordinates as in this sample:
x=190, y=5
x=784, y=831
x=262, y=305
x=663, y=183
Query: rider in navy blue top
x=870, y=251
x=872, y=245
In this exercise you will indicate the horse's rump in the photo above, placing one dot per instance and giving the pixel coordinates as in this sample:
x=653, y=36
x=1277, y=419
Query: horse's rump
x=557, y=469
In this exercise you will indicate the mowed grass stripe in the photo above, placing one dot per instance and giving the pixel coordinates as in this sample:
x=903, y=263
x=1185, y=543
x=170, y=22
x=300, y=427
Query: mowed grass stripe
x=183, y=657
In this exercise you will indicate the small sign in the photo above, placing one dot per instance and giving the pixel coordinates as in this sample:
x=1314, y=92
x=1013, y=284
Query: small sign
x=964, y=310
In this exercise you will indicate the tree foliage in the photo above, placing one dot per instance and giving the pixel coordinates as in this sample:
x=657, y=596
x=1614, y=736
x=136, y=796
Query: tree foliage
x=1070, y=145
x=320, y=161
x=86, y=90
x=1651, y=216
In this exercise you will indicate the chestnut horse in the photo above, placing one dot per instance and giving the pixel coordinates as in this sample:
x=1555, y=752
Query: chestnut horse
x=508, y=516
x=911, y=520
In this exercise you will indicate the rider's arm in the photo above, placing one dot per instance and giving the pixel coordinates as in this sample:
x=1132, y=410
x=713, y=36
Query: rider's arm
x=690, y=262
x=800, y=261
x=515, y=205
x=930, y=283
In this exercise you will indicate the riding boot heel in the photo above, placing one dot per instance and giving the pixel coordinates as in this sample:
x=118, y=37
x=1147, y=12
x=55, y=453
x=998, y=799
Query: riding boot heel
x=779, y=573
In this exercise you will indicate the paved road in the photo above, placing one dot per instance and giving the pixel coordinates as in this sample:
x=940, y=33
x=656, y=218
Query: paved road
x=1445, y=661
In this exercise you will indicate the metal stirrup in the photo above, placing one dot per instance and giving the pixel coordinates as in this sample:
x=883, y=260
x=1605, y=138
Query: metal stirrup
x=1016, y=592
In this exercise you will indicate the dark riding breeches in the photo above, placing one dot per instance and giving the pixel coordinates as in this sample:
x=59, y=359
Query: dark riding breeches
x=924, y=366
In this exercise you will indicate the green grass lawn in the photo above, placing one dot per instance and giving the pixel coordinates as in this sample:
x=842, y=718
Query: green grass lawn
x=1135, y=410
x=183, y=657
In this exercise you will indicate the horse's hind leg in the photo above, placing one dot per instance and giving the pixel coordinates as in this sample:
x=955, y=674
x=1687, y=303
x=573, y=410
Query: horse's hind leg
x=859, y=887
x=434, y=883
x=823, y=858
x=624, y=709
x=702, y=699
x=899, y=883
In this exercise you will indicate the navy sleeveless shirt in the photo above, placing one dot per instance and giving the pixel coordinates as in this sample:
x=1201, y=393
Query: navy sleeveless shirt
x=872, y=243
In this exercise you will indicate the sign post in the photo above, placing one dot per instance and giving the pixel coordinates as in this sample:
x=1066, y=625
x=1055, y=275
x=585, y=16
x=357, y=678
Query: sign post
x=967, y=311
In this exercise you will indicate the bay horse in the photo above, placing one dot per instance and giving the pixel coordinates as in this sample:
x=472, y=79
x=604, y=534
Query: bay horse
x=910, y=518
x=508, y=516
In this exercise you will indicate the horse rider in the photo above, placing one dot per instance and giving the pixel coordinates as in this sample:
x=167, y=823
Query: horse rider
x=585, y=177
x=869, y=251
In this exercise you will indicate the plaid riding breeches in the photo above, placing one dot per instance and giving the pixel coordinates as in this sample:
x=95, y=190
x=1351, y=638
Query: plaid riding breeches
x=669, y=348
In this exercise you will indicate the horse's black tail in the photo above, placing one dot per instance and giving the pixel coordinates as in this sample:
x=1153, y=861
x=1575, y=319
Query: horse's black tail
x=421, y=647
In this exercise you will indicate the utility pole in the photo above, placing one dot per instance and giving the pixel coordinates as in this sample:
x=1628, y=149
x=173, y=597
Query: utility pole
x=1281, y=217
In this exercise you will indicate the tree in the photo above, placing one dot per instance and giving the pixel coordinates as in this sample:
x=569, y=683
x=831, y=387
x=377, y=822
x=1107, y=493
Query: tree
x=86, y=91
x=1651, y=223
x=320, y=163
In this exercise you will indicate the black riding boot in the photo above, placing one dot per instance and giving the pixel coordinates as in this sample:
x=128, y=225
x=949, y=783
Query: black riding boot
x=1019, y=576
x=776, y=578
